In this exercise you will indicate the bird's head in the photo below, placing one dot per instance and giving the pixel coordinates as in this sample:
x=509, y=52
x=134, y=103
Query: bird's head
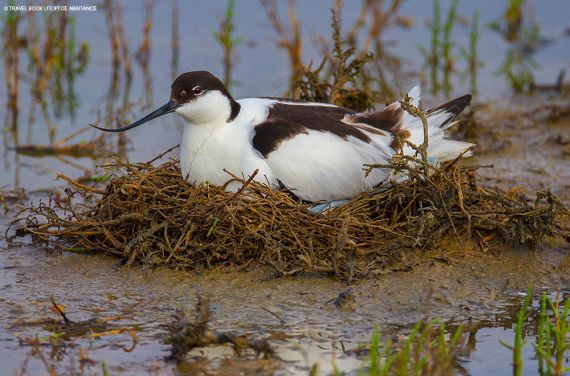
x=198, y=96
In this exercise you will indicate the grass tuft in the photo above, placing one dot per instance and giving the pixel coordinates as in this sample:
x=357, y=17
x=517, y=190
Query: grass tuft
x=427, y=350
x=346, y=87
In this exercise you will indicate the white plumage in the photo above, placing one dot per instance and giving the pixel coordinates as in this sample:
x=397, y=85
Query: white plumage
x=317, y=151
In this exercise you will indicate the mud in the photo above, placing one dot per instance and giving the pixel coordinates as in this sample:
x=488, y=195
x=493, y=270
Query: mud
x=309, y=319
x=296, y=314
x=303, y=318
x=526, y=140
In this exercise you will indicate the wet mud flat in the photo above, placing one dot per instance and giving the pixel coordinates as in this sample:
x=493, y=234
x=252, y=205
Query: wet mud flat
x=527, y=141
x=301, y=317
x=296, y=315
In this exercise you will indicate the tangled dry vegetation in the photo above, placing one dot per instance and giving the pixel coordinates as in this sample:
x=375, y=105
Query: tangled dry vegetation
x=186, y=335
x=148, y=214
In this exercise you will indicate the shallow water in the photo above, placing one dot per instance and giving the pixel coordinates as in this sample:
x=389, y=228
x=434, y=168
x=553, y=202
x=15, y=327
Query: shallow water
x=480, y=291
x=481, y=295
x=260, y=68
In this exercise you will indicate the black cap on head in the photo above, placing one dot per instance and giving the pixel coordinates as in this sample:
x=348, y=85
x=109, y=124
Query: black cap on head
x=190, y=85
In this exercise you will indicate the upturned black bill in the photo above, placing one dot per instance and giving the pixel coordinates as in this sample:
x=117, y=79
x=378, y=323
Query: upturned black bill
x=166, y=109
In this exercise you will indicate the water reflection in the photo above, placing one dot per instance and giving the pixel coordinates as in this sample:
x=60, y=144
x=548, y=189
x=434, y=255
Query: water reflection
x=121, y=70
x=499, y=332
x=524, y=38
x=471, y=55
x=143, y=53
x=12, y=44
x=55, y=58
x=44, y=54
x=175, y=44
x=442, y=60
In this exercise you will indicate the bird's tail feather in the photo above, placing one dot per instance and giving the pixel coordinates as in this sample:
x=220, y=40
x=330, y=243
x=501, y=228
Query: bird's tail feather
x=440, y=147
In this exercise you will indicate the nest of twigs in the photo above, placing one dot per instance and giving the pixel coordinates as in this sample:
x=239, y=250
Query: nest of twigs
x=148, y=214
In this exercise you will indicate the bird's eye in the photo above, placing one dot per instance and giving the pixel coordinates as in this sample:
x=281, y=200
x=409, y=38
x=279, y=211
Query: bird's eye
x=197, y=90
x=183, y=93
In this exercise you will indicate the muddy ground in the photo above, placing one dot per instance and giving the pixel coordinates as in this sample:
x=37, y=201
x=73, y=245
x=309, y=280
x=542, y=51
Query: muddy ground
x=479, y=287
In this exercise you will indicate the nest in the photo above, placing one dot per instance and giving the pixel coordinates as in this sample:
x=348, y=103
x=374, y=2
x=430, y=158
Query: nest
x=149, y=215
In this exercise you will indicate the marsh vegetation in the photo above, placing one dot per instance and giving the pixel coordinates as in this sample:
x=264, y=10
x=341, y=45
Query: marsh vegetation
x=408, y=279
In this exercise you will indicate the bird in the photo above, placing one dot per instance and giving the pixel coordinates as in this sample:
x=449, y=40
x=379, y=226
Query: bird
x=316, y=151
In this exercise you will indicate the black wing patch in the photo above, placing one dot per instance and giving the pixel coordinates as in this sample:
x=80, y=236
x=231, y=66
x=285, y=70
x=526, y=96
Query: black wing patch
x=391, y=118
x=286, y=121
x=387, y=119
x=454, y=106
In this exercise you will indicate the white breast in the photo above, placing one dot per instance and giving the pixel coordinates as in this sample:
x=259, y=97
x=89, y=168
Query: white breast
x=208, y=149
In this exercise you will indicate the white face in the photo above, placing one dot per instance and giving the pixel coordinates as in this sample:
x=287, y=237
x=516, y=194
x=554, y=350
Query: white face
x=212, y=107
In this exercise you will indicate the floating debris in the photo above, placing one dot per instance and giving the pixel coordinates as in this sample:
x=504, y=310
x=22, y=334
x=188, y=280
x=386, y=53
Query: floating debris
x=12, y=196
x=66, y=329
x=345, y=300
x=94, y=148
x=186, y=335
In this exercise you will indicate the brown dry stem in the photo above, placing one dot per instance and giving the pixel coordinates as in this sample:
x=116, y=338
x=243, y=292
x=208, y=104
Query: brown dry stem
x=186, y=335
x=408, y=106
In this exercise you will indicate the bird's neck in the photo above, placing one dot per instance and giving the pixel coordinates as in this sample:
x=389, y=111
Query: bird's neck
x=236, y=108
x=207, y=149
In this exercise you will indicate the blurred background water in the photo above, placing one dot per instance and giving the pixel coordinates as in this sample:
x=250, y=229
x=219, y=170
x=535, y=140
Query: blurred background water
x=259, y=67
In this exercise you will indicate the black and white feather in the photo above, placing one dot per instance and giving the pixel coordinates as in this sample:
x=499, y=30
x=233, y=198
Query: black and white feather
x=315, y=150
